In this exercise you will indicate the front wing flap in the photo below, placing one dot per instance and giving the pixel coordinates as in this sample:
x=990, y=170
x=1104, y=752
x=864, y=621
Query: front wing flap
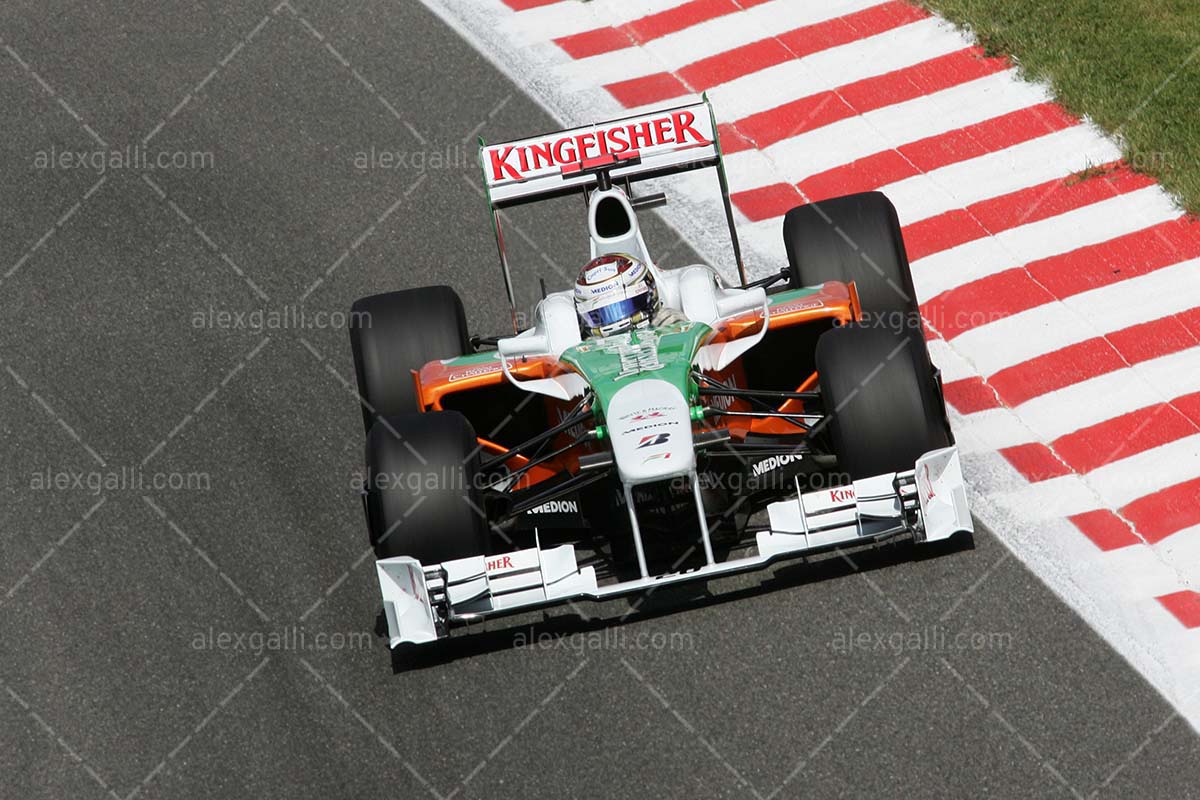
x=421, y=602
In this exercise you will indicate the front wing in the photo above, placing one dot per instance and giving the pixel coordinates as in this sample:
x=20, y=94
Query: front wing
x=421, y=602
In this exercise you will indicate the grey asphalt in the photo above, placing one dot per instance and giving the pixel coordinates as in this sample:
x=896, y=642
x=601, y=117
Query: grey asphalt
x=150, y=632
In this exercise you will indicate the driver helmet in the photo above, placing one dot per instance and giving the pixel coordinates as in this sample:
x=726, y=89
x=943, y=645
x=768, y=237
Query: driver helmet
x=614, y=293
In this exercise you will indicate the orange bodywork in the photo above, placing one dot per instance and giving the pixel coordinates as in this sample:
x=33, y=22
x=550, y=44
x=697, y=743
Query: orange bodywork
x=834, y=301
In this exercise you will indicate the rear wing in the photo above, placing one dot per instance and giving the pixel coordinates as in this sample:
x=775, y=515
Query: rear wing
x=636, y=148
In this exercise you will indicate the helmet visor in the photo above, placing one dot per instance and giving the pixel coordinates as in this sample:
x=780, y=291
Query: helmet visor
x=619, y=311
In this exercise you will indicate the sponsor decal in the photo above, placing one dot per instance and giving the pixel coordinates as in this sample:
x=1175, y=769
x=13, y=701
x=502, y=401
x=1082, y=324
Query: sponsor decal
x=556, y=507
x=646, y=413
x=515, y=161
x=842, y=495
x=647, y=427
x=562, y=512
x=928, y=483
x=773, y=463
x=601, y=289
x=724, y=401
x=798, y=305
x=500, y=562
x=656, y=457
x=602, y=272
x=639, y=358
x=636, y=357
x=410, y=588
x=473, y=372
x=653, y=440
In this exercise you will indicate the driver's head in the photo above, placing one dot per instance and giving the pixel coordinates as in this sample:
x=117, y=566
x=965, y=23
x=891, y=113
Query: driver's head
x=613, y=294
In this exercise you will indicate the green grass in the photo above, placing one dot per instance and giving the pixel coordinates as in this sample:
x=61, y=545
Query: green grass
x=1132, y=66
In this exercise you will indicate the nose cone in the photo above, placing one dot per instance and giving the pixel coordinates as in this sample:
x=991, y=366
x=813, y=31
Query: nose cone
x=651, y=431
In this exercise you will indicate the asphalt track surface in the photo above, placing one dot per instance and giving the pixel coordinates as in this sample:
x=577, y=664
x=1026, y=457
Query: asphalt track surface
x=958, y=674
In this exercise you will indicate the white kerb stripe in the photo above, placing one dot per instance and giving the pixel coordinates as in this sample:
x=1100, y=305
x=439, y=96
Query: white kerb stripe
x=1145, y=473
x=1062, y=233
x=1110, y=395
x=953, y=366
x=710, y=38
x=546, y=23
x=1055, y=155
x=1111, y=486
x=1181, y=551
x=988, y=431
x=1050, y=499
x=892, y=126
x=828, y=69
x=1055, y=325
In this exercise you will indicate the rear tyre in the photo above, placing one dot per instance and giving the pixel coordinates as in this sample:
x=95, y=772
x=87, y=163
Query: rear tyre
x=881, y=395
x=394, y=333
x=855, y=238
x=422, y=498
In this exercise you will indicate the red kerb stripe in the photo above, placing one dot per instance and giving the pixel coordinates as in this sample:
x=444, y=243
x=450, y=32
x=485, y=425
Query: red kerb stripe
x=741, y=61
x=1055, y=370
x=1124, y=436
x=768, y=52
x=1184, y=606
x=594, y=42
x=1106, y=530
x=1094, y=357
x=525, y=5
x=1035, y=461
x=1021, y=207
x=1067, y=274
x=934, y=152
x=1157, y=516
x=766, y=202
x=809, y=113
x=970, y=395
x=648, y=28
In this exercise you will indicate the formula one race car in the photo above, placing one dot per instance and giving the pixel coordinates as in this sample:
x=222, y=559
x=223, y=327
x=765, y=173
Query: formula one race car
x=594, y=455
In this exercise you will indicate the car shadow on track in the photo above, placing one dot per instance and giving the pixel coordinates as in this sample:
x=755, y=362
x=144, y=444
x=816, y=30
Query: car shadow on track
x=495, y=636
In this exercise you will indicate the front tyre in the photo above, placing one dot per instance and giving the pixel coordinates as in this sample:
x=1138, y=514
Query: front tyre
x=395, y=333
x=855, y=238
x=882, y=398
x=422, y=494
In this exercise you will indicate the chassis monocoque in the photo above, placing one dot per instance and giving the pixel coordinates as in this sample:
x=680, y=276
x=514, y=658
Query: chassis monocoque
x=772, y=419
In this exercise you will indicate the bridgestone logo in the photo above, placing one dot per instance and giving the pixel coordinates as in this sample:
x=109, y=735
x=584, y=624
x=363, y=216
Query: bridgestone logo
x=556, y=507
x=774, y=462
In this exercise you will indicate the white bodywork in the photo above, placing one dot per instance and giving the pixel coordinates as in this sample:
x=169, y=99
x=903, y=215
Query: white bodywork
x=695, y=292
x=651, y=432
x=420, y=600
